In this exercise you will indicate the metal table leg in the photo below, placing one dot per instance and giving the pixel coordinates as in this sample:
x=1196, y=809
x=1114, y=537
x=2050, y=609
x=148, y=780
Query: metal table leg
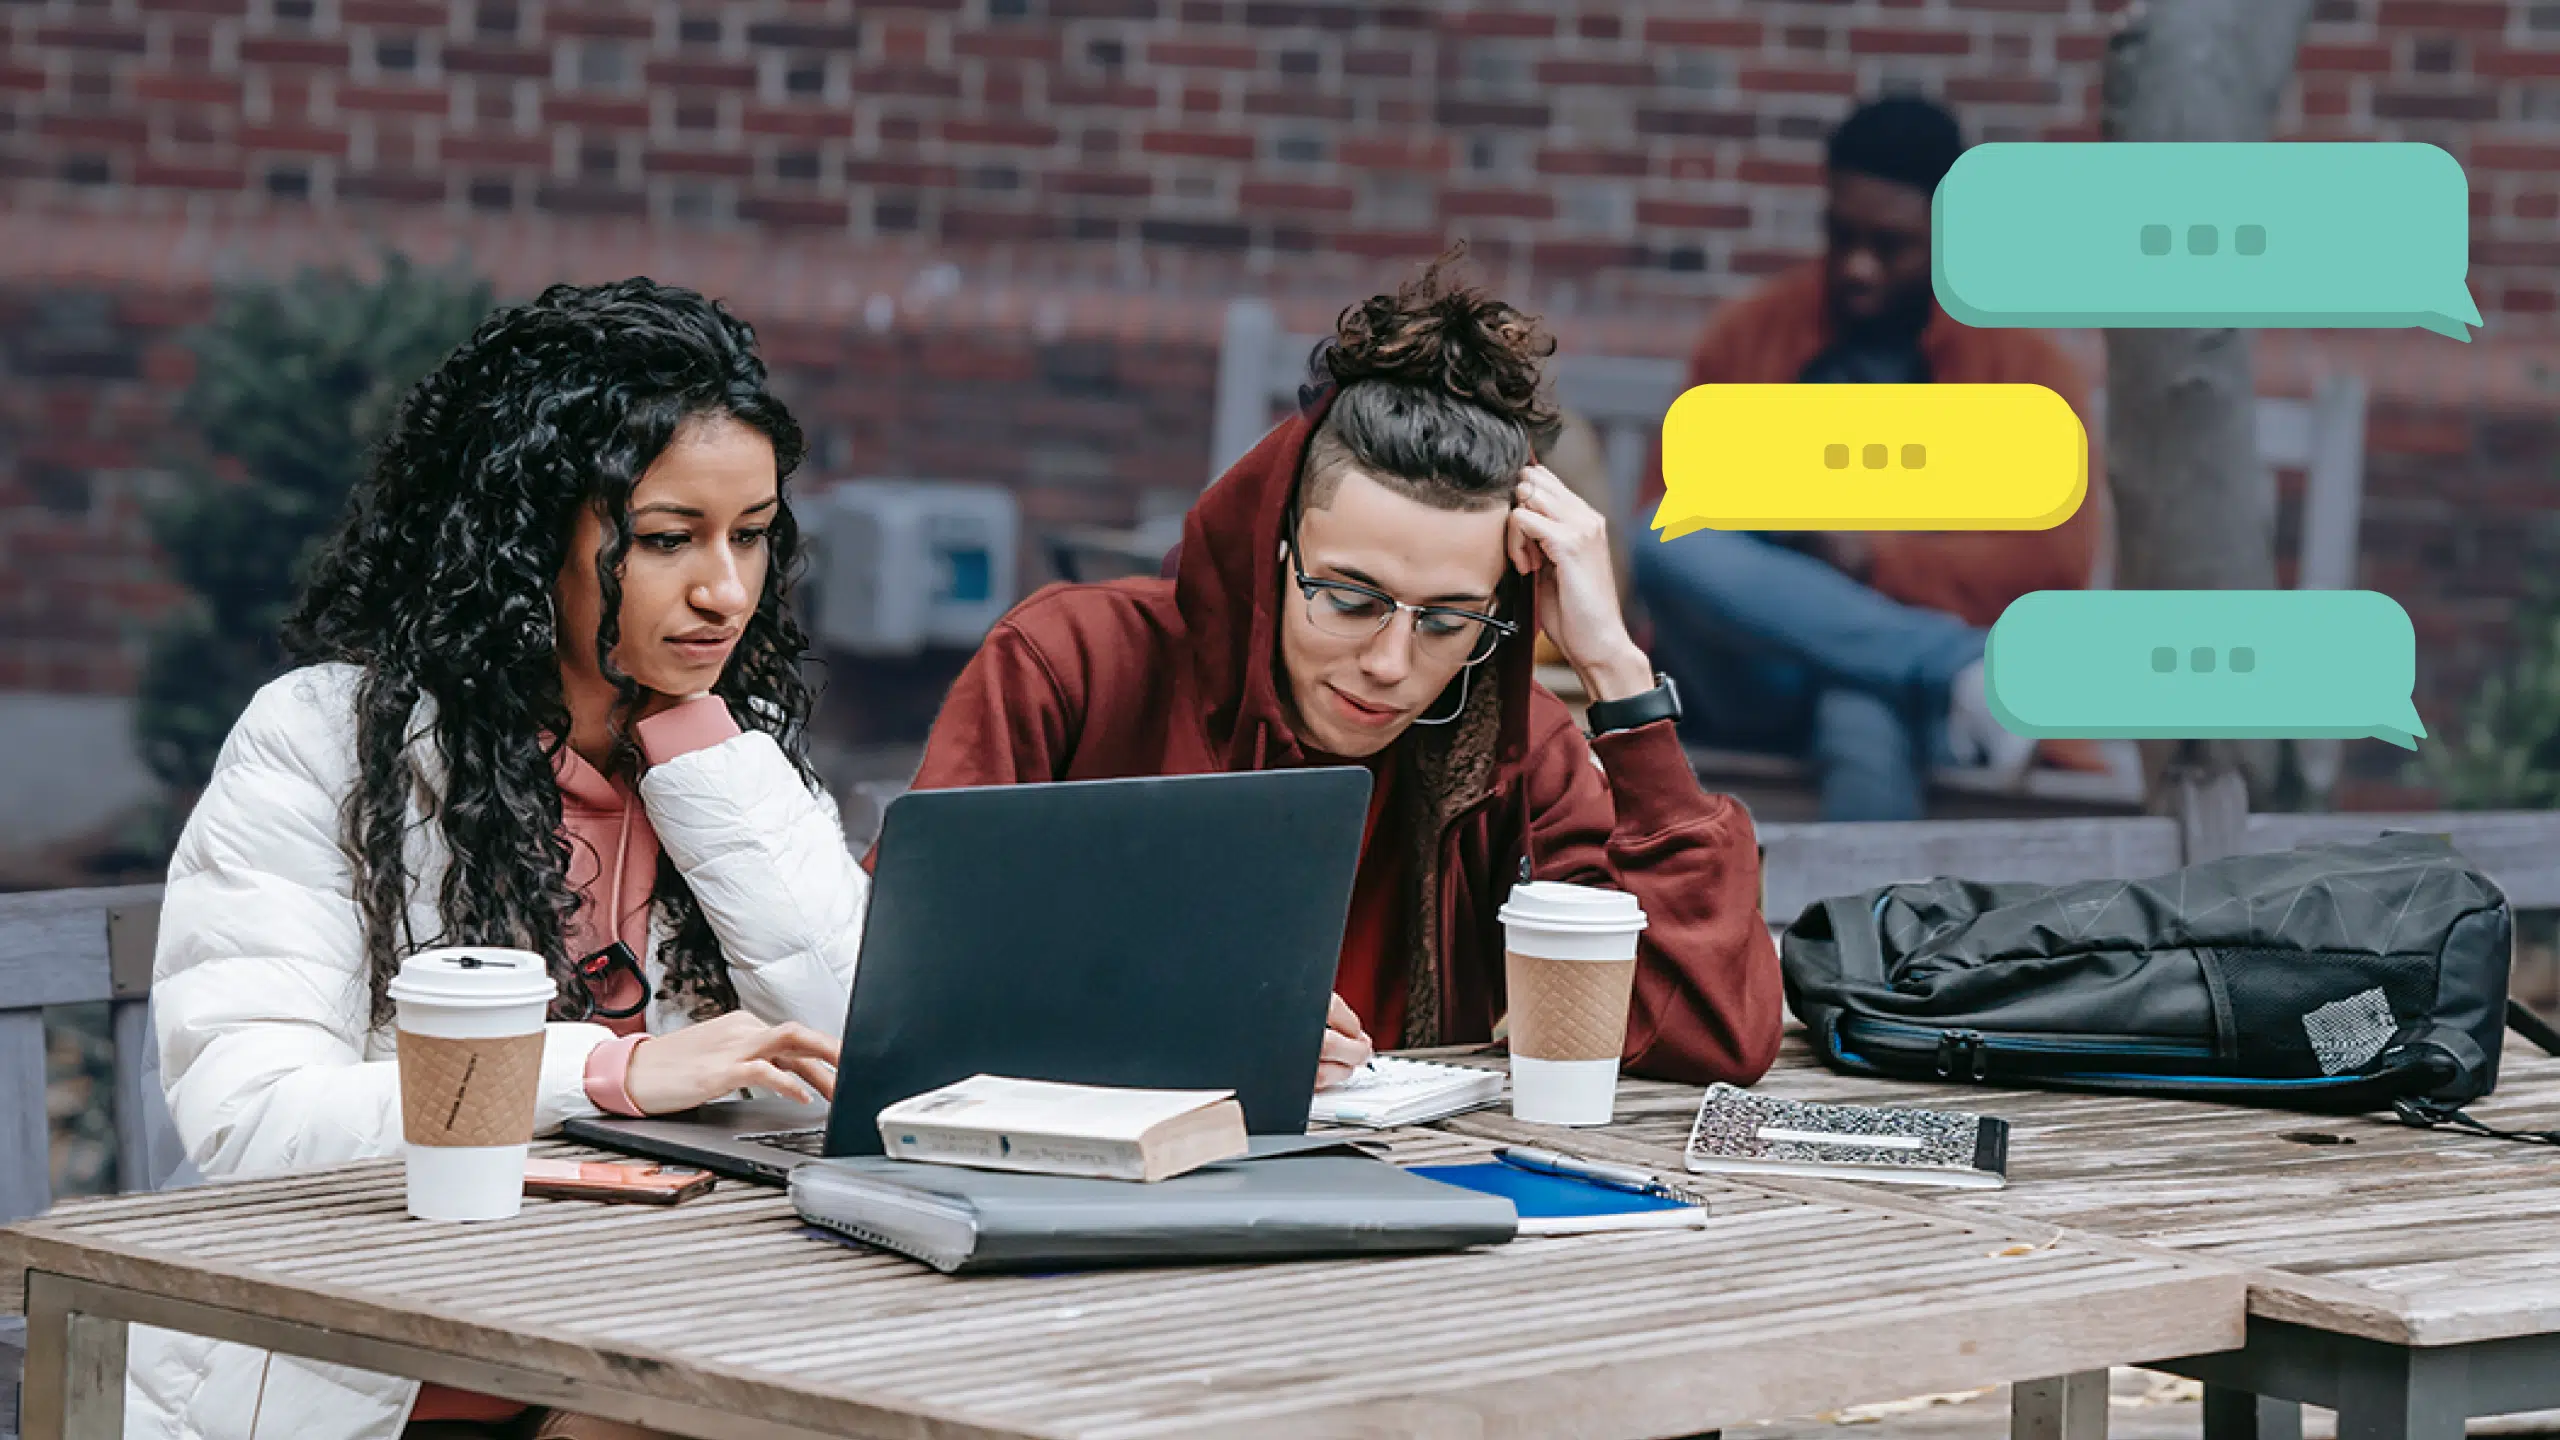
x=2240, y=1415
x=2414, y=1395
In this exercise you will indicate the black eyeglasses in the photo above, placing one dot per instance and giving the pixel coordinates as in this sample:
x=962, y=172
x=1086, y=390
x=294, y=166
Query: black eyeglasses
x=595, y=981
x=1347, y=611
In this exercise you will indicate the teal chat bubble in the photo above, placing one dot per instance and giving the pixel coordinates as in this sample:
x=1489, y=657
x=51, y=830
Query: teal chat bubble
x=2295, y=235
x=2205, y=664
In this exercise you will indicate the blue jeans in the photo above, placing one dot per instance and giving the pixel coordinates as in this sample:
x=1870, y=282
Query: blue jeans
x=1776, y=650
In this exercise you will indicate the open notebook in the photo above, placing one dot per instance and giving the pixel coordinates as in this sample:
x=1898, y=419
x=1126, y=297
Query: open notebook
x=1392, y=1091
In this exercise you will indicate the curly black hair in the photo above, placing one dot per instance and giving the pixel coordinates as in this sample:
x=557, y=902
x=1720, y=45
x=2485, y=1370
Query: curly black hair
x=440, y=582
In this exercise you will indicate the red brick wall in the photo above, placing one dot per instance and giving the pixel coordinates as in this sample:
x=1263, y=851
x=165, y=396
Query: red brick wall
x=1101, y=172
x=1606, y=152
x=85, y=394
x=1082, y=426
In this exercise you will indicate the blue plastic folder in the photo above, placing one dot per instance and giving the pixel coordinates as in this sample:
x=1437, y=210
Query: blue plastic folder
x=1561, y=1205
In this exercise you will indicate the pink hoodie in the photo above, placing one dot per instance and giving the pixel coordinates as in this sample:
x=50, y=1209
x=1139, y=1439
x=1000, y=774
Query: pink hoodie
x=613, y=865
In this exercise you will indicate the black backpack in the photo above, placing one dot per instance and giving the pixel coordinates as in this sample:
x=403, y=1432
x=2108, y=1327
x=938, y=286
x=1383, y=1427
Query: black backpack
x=2334, y=977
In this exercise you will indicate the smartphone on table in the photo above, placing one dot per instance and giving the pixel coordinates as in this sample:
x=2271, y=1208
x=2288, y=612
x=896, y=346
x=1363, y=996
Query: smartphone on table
x=629, y=1182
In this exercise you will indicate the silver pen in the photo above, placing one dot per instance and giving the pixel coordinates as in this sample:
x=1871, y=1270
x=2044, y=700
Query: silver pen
x=1596, y=1172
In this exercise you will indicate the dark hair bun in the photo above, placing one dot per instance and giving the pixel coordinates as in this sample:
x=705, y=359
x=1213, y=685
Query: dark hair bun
x=1438, y=334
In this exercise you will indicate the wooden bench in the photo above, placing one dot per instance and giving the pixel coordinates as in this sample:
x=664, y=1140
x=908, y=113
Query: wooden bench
x=73, y=947
x=77, y=947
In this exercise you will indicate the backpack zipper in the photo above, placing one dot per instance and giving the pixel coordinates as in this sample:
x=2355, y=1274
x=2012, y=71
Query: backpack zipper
x=1964, y=1054
x=1967, y=1054
x=1961, y=1055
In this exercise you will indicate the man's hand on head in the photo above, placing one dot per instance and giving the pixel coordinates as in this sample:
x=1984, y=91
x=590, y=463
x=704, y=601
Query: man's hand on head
x=1563, y=544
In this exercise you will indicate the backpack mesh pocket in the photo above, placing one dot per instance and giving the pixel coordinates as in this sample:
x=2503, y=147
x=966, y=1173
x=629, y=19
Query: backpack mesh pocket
x=2307, y=1013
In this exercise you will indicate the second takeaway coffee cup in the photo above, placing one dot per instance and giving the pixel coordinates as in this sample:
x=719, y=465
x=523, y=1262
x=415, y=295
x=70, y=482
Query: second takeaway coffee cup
x=471, y=1029
x=1570, y=966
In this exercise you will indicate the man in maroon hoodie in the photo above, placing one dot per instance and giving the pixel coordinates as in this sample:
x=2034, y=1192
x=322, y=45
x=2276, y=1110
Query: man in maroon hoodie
x=1362, y=589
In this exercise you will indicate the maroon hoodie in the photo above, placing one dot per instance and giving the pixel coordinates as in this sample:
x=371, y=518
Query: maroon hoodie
x=1157, y=677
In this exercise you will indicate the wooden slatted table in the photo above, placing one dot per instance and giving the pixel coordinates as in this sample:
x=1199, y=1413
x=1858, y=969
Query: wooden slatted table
x=2407, y=1280
x=721, y=1318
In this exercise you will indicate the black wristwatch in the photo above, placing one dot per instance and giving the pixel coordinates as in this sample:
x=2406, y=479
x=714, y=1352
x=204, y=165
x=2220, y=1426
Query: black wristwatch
x=1662, y=702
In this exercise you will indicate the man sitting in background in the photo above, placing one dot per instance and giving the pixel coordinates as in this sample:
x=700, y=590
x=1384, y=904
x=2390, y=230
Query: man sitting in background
x=1861, y=652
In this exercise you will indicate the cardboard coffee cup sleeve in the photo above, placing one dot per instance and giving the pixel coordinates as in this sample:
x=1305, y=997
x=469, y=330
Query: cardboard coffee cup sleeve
x=1569, y=1009
x=469, y=1092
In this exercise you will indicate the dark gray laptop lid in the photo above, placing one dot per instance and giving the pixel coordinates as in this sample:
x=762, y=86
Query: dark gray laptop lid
x=1178, y=932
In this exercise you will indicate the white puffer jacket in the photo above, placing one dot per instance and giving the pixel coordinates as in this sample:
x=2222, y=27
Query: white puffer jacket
x=261, y=999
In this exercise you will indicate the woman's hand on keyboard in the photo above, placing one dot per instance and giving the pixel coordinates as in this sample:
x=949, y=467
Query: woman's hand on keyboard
x=701, y=1063
x=1346, y=1046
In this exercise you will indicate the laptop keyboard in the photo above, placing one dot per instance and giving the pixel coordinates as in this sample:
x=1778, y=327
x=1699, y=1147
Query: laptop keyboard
x=799, y=1142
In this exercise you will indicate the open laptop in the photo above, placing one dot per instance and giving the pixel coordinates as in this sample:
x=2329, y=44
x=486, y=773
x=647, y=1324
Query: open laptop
x=1177, y=932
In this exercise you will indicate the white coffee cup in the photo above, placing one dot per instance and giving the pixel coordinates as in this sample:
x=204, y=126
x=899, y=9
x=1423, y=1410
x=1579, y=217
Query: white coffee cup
x=471, y=1036
x=1570, y=964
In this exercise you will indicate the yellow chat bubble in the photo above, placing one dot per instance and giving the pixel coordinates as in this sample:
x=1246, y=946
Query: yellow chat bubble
x=1870, y=457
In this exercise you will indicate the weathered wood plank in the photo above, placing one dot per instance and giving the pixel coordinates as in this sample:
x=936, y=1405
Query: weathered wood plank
x=130, y=1026
x=2212, y=810
x=1580, y=1317
x=1805, y=863
x=26, y=1151
x=489, y=1377
x=53, y=944
x=1590, y=1283
x=2519, y=849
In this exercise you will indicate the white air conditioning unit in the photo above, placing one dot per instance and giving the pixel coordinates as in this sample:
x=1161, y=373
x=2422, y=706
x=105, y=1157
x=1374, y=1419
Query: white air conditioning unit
x=907, y=564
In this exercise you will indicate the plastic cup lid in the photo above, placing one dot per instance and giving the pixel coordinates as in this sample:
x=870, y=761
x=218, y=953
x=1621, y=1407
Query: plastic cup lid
x=472, y=976
x=1557, y=905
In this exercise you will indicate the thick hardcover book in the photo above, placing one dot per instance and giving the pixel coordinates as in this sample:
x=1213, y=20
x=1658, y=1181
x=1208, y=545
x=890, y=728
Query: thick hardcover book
x=1105, y=1131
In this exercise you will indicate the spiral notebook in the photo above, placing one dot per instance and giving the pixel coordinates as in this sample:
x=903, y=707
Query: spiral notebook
x=1741, y=1133
x=1391, y=1091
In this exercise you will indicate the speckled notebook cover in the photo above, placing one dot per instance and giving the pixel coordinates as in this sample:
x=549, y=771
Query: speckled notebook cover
x=1739, y=1132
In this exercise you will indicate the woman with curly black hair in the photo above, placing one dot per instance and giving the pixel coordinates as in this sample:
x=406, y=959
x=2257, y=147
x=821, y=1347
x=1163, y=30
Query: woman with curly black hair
x=551, y=700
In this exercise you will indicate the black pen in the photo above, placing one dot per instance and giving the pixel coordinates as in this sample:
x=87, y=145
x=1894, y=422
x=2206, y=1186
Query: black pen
x=1596, y=1172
